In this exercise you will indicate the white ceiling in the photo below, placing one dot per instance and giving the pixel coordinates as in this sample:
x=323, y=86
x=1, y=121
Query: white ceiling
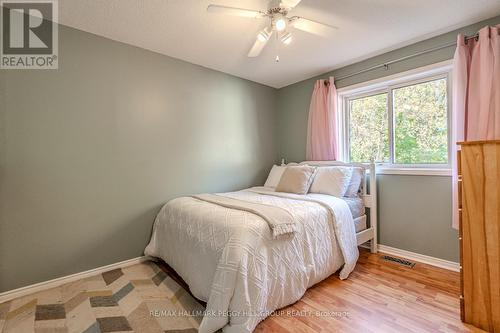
x=183, y=29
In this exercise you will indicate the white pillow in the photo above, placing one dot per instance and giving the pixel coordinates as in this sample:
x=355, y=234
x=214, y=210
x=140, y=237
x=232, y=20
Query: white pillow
x=332, y=180
x=355, y=183
x=274, y=176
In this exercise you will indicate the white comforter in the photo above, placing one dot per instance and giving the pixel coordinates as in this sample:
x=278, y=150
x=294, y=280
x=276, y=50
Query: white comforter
x=230, y=260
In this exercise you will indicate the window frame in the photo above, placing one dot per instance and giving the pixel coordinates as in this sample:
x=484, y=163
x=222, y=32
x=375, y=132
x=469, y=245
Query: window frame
x=388, y=85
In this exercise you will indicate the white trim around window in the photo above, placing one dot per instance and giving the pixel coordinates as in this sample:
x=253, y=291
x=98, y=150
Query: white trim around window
x=385, y=85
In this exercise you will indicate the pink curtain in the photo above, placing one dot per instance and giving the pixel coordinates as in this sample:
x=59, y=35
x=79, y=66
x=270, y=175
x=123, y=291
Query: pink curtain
x=476, y=94
x=322, y=124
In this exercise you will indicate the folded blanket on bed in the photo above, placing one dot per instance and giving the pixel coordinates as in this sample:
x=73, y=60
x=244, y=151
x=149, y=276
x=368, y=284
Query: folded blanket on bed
x=279, y=220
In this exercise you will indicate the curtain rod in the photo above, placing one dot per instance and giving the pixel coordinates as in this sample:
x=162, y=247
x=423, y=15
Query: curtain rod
x=388, y=63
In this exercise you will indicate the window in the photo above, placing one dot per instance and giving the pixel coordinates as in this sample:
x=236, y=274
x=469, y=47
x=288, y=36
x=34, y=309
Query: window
x=369, y=129
x=401, y=123
x=421, y=123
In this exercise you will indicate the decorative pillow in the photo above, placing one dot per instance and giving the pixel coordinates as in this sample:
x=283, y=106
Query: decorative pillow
x=296, y=179
x=354, y=185
x=274, y=176
x=332, y=180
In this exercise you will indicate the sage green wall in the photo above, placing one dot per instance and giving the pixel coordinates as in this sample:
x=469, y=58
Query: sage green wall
x=415, y=211
x=91, y=151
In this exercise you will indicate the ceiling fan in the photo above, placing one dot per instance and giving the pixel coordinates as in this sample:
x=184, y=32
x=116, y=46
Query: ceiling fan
x=279, y=23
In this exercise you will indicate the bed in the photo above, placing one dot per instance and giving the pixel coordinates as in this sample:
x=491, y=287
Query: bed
x=230, y=258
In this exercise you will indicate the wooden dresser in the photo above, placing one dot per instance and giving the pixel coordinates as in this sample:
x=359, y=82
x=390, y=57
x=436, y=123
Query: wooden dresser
x=479, y=233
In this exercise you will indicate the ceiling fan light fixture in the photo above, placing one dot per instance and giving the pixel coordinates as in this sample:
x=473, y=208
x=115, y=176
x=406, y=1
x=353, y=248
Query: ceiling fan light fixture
x=280, y=24
x=286, y=38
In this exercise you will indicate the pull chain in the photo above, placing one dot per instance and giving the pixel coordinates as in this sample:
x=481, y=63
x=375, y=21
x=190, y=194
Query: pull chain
x=277, y=59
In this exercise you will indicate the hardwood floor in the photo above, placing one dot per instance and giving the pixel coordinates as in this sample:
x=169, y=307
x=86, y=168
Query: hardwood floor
x=379, y=296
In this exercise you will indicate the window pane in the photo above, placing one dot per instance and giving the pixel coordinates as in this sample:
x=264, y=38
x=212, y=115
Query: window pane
x=369, y=129
x=420, y=123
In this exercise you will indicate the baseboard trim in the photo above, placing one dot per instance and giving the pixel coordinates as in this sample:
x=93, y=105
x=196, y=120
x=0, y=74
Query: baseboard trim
x=15, y=293
x=441, y=263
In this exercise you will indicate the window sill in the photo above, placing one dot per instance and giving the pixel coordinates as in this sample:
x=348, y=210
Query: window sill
x=381, y=170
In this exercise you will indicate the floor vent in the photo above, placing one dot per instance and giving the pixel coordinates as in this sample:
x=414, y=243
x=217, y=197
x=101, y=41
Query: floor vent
x=403, y=262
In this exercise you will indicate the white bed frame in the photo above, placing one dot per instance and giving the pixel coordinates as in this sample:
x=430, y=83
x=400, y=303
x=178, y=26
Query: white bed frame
x=369, y=199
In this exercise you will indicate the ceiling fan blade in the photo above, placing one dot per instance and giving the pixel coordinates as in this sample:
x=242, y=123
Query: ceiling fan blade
x=289, y=4
x=258, y=46
x=235, y=11
x=313, y=27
